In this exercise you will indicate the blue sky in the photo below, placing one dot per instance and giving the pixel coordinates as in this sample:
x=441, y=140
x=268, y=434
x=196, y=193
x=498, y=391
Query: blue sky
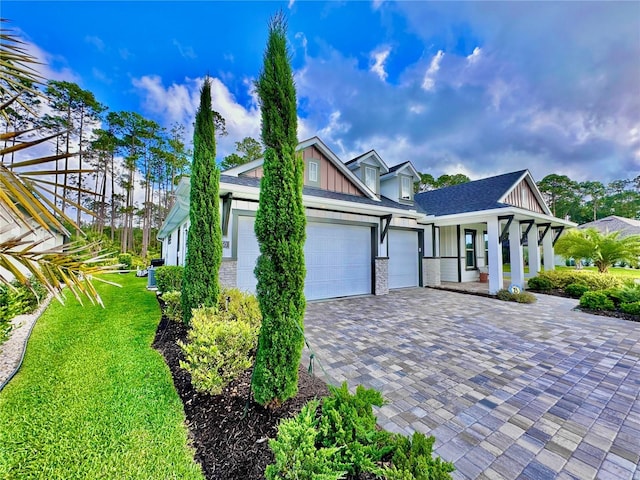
x=480, y=88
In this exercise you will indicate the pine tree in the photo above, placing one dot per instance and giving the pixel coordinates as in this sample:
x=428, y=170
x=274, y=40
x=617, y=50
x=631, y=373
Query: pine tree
x=280, y=229
x=200, y=285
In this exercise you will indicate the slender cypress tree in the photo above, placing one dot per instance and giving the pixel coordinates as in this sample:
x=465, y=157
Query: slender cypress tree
x=200, y=285
x=280, y=228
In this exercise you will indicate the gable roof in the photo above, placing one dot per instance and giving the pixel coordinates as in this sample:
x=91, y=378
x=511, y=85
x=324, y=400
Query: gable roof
x=371, y=153
x=395, y=170
x=484, y=194
x=613, y=223
x=325, y=150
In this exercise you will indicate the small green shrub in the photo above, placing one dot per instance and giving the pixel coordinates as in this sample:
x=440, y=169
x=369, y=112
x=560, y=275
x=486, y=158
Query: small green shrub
x=632, y=308
x=126, y=261
x=576, y=290
x=594, y=280
x=348, y=423
x=17, y=301
x=221, y=342
x=542, y=284
x=217, y=351
x=629, y=293
x=169, y=278
x=172, y=305
x=413, y=460
x=520, y=297
x=295, y=451
x=504, y=295
x=597, y=300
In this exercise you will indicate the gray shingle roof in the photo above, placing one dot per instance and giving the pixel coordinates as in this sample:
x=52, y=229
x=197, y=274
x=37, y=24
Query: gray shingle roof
x=317, y=192
x=468, y=197
x=613, y=223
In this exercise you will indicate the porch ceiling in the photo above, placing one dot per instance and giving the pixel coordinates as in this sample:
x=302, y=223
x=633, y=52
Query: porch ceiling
x=483, y=216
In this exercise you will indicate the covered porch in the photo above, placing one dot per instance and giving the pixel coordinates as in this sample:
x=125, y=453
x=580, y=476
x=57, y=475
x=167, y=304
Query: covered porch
x=468, y=248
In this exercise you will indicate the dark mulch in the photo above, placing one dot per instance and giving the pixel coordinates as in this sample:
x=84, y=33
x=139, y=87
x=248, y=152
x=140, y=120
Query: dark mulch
x=229, y=444
x=604, y=313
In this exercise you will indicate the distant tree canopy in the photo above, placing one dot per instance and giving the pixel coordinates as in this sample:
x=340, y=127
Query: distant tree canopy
x=428, y=182
x=247, y=150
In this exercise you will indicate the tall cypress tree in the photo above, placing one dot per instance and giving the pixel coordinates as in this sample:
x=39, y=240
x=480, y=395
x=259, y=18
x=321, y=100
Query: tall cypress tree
x=280, y=228
x=200, y=285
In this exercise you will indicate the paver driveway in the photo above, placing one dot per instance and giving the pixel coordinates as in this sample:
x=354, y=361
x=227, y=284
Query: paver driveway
x=510, y=391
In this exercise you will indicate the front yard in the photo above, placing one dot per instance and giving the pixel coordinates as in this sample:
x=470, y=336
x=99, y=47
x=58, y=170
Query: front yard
x=93, y=399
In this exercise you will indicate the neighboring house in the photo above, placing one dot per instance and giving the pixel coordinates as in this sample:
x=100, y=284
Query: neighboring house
x=15, y=232
x=366, y=233
x=613, y=223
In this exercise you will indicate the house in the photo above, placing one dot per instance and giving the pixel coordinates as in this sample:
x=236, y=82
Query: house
x=18, y=233
x=367, y=232
x=613, y=223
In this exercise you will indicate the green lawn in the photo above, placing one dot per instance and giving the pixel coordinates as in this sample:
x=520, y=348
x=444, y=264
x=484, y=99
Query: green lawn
x=93, y=399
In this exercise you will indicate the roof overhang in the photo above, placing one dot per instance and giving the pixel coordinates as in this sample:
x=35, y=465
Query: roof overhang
x=404, y=169
x=372, y=154
x=483, y=216
x=180, y=210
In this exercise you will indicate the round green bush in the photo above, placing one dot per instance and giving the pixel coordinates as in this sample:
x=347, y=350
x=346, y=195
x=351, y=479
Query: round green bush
x=576, y=290
x=524, y=297
x=631, y=308
x=540, y=283
x=596, y=301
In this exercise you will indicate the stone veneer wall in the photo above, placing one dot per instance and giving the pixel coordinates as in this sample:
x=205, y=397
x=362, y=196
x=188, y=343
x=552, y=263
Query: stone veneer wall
x=228, y=272
x=381, y=285
x=431, y=271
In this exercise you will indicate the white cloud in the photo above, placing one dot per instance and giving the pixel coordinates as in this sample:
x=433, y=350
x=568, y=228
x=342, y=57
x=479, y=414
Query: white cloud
x=95, y=41
x=185, y=51
x=376, y=4
x=50, y=67
x=474, y=57
x=291, y=2
x=179, y=102
x=378, y=58
x=429, y=82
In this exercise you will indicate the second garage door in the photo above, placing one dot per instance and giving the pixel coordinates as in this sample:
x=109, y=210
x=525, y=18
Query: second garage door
x=403, y=258
x=338, y=259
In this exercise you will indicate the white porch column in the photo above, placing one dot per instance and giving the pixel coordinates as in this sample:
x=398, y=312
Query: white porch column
x=534, y=251
x=547, y=251
x=516, y=255
x=495, y=255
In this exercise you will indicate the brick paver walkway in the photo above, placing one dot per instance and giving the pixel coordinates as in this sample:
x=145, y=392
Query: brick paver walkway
x=509, y=390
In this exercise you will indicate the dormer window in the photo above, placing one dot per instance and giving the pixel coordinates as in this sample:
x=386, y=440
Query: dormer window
x=406, y=188
x=371, y=178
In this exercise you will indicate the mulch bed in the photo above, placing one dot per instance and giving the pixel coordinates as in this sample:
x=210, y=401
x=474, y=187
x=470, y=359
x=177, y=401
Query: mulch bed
x=557, y=292
x=229, y=444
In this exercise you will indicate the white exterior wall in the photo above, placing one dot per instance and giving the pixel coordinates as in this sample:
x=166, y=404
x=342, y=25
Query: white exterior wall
x=391, y=188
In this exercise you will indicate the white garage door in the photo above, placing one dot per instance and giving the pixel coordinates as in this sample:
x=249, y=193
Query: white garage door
x=338, y=259
x=403, y=258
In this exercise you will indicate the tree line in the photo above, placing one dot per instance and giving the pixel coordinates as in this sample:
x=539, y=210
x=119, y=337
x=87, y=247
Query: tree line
x=114, y=172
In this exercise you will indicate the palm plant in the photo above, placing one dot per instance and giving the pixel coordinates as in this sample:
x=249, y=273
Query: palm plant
x=29, y=215
x=604, y=248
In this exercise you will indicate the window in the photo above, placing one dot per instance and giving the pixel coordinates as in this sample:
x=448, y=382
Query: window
x=486, y=248
x=313, y=173
x=371, y=178
x=406, y=187
x=470, y=249
x=169, y=242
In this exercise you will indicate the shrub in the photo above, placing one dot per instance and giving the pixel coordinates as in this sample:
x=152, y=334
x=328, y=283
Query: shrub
x=172, y=305
x=542, y=284
x=594, y=280
x=632, y=308
x=413, y=460
x=597, y=300
x=125, y=260
x=169, y=278
x=629, y=293
x=217, y=351
x=520, y=297
x=296, y=455
x=576, y=290
x=348, y=423
x=17, y=301
x=221, y=342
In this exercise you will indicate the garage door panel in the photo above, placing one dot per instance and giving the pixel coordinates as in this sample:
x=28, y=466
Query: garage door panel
x=403, y=258
x=337, y=257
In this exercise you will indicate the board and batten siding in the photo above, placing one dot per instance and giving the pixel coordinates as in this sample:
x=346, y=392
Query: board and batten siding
x=331, y=178
x=523, y=197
